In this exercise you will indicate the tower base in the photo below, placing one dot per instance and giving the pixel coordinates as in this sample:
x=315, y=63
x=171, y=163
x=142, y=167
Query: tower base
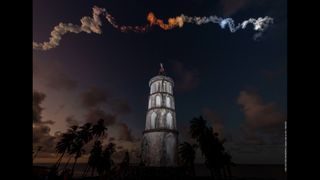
x=159, y=147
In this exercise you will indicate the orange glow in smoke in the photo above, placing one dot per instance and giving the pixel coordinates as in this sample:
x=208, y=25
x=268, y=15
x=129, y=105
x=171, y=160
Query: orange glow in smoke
x=172, y=22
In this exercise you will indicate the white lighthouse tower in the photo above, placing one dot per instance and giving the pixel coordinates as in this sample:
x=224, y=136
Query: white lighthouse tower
x=160, y=137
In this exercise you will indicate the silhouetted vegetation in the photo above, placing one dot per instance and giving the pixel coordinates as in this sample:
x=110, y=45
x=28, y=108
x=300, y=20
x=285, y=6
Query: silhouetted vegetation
x=106, y=163
x=65, y=143
x=99, y=129
x=216, y=159
x=95, y=156
x=73, y=141
x=187, y=155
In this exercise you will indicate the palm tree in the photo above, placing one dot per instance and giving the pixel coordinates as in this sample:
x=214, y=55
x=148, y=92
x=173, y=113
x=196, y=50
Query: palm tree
x=95, y=156
x=209, y=144
x=201, y=133
x=213, y=151
x=76, y=150
x=67, y=163
x=106, y=162
x=197, y=127
x=123, y=166
x=65, y=143
x=85, y=133
x=226, y=158
x=99, y=129
x=75, y=138
x=187, y=155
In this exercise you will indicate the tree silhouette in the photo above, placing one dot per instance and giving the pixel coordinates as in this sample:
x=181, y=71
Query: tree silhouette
x=106, y=163
x=210, y=146
x=95, y=156
x=65, y=143
x=227, y=162
x=67, y=163
x=85, y=133
x=99, y=129
x=74, y=140
x=187, y=155
x=124, y=165
x=197, y=127
x=76, y=150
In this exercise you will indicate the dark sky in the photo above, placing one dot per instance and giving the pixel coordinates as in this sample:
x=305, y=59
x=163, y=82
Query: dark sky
x=236, y=83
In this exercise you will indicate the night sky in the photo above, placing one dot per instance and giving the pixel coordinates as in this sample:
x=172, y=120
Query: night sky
x=238, y=84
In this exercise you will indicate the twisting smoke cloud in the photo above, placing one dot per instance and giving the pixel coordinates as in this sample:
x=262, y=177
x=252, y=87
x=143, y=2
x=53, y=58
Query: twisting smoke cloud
x=88, y=25
x=93, y=24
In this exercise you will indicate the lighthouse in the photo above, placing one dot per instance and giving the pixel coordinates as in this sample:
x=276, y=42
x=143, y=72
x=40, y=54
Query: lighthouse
x=160, y=136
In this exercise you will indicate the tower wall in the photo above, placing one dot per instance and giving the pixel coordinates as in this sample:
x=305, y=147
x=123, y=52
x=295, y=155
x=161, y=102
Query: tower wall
x=160, y=148
x=160, y=138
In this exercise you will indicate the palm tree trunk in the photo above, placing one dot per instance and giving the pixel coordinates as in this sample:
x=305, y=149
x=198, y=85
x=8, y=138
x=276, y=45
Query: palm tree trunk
x=74, y=164
x=35, y=155
x=65, y=166
x=84, y=172
x=87, y=171
x=59, y=160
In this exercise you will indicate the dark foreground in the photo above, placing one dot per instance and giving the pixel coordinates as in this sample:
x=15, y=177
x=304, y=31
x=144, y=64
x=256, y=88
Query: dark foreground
x=242, y=172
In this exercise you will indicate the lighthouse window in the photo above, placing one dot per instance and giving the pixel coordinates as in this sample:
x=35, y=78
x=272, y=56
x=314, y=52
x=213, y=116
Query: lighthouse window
x=168, y=102
x=164, y=86
x=153, y=87
x=149, y=103
x=169, y=88
x=169, y=120
x=153, y=120
x=158, y=101
x=158, y=87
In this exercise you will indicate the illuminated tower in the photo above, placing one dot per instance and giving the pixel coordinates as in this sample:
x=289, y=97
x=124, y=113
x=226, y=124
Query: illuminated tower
x=160, y=137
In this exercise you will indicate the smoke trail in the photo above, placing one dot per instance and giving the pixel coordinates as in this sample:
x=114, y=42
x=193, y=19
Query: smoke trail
x=88, y=25
x=259, y=24
x=93, y=25
x=136, y=29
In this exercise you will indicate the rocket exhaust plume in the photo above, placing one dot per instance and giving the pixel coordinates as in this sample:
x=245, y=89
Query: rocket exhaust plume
x=88, y=25
x=93, y=25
